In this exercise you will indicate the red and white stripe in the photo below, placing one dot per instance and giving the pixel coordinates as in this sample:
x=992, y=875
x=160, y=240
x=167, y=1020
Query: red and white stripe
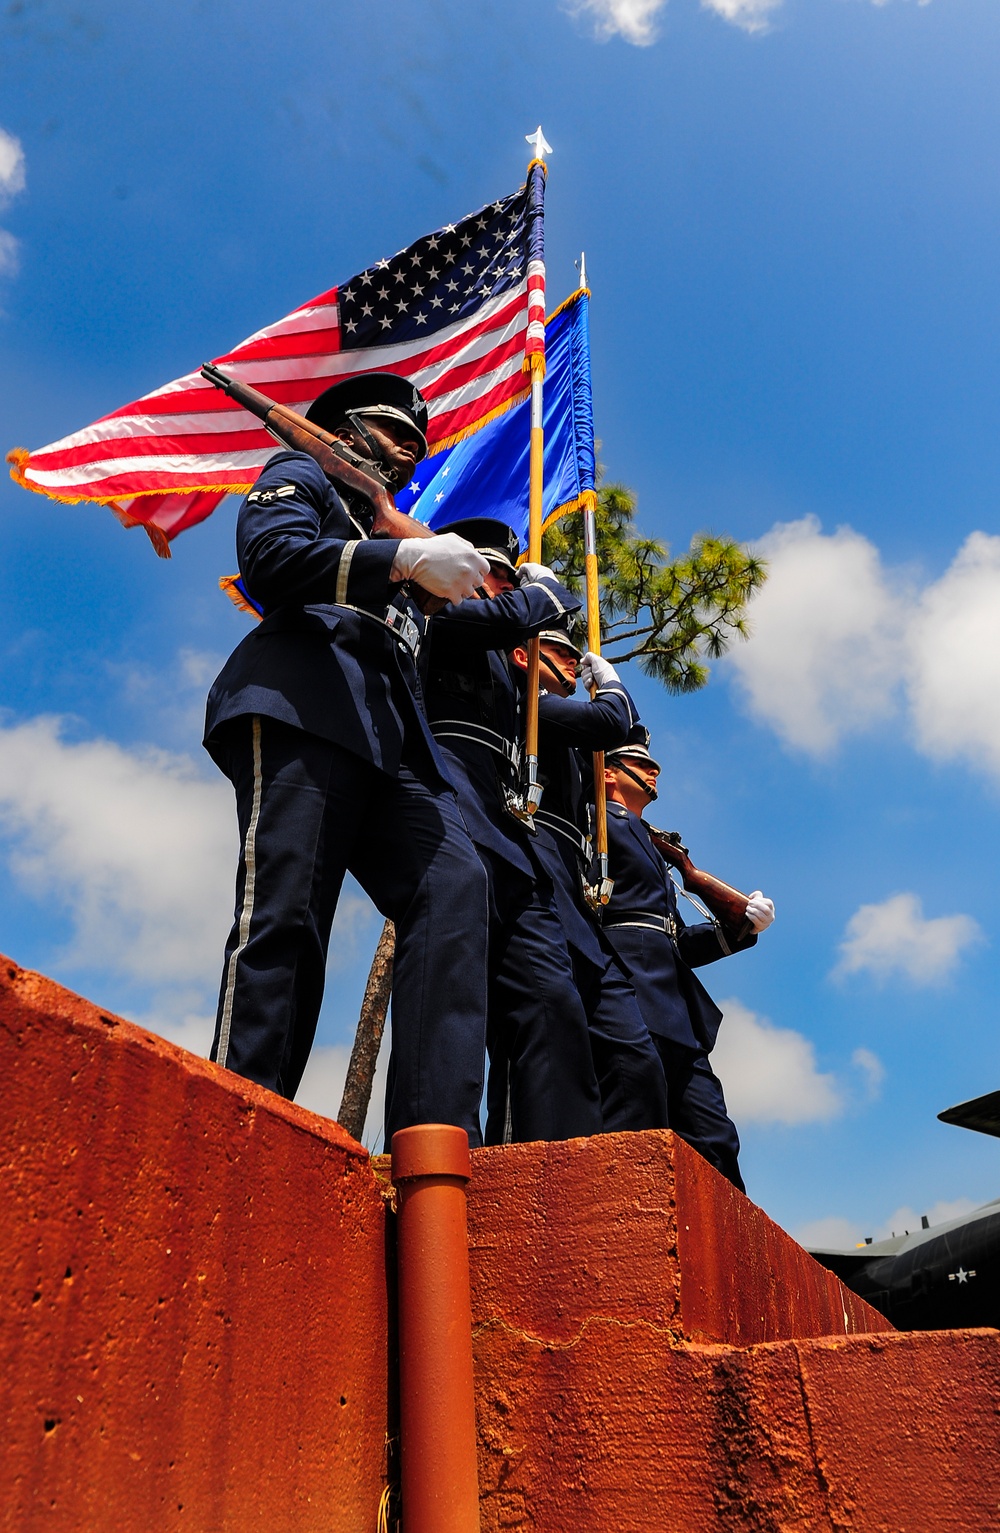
x=167, y=459
x=535, y=339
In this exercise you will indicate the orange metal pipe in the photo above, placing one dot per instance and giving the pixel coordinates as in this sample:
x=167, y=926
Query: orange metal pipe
x=437, y=1425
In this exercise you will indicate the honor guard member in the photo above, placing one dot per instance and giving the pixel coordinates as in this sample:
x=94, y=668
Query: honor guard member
x=643, y=924
x=472, y=704
x=570, y=729
x=316, y=719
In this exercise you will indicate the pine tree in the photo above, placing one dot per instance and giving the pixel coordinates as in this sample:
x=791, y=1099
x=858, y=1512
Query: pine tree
x=668, y=614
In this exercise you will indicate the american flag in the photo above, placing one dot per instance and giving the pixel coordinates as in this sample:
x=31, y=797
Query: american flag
x=457, y=313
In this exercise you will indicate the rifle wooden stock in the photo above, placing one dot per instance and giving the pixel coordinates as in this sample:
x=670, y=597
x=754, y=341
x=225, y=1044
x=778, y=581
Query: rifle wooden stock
x=345, y=469
x=729, y=905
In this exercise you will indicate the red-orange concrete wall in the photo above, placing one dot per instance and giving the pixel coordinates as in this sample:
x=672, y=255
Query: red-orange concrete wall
x=639, y=1228
x=194, y=1325
x=193, y=1303
x=616, y=1432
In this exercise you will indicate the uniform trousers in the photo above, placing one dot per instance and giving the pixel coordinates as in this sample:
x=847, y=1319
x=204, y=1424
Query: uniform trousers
x=697, y=1107
x=631, y=1086
x=541, y=1065
x=629, y=1071
x=308, y=812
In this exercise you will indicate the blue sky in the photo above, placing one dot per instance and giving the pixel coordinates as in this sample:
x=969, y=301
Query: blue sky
x=790, y=213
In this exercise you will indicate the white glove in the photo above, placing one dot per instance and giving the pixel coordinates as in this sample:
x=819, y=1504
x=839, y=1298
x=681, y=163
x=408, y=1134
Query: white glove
x=532, y=572
x=596, y=672
x=760, y=911
x=445, y=565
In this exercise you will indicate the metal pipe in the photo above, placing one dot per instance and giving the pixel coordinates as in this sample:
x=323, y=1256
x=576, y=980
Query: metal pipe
x=437, y=1412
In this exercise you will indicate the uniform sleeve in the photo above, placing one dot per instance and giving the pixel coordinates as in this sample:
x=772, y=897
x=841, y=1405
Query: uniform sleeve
x=700, y=943
x=597, y=724
x=504, y=621
x=284, y=557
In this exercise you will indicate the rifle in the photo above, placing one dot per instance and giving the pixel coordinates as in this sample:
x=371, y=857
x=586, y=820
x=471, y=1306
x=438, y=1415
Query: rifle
x=727, y=904
x=343, y=467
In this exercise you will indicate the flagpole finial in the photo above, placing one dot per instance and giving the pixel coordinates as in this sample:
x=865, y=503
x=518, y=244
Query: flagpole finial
x=539, y=146
x=582, y=266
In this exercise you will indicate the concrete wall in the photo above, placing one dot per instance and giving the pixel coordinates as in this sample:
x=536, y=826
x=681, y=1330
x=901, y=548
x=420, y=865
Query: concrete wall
x=193, y=1321
x=615, y=1432
x=639, y=1228
x=195, y=1325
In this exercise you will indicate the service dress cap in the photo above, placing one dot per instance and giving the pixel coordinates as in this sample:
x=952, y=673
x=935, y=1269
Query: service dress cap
x=561, y=637
x=636, y=748
x=382, y=395
x=490, y=537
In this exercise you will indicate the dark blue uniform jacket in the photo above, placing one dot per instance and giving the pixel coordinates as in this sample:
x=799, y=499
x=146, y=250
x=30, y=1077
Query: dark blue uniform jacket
x=469, y=689
x=322, y=659
x=672, y=999
x=570, y=729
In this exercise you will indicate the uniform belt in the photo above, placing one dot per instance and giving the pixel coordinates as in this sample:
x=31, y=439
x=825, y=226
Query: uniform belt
x=566, y=829
x=400, y=624
x=640, y=918
x=478, y=734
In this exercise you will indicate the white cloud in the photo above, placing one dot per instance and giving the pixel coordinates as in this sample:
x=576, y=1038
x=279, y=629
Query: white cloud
x=11, y=166
x=824, y=654
x=11, y=182
x=632, y=19
x=905, y=1218
x=749, y=15
x=839, y=645
x=769, y=1073
x=896, y=938
x=872, y=1072
x=835, y=1233
x=953, y=667
x=9, y=257
x=831, y=1233
x=134, y=845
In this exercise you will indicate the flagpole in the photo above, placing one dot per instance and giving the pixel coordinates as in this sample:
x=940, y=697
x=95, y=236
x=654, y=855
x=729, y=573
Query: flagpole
x=536, y=478
x=600, y=893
